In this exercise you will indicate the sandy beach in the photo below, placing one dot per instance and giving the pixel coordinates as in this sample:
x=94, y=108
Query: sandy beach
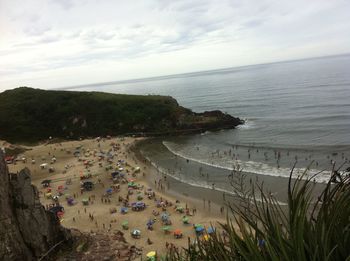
x=94, y=160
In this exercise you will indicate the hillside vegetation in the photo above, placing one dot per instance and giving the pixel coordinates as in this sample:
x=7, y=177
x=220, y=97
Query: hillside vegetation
x=28, y=114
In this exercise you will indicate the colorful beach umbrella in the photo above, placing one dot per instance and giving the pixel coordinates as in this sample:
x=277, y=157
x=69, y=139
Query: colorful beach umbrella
x=185, y=219
x=177, y=232
x=151, y=254
x=166, y=228
x=199, y=229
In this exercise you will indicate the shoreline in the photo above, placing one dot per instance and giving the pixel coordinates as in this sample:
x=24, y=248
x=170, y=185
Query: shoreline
x=172, y=188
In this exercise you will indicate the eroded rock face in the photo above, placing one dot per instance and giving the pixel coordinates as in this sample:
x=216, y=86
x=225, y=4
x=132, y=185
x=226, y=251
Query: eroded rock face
x=27, y=230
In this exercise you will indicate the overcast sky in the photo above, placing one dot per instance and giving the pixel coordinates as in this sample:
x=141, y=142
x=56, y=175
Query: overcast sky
x=54, y=43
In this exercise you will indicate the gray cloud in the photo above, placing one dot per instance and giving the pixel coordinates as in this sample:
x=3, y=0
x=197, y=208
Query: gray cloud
x=58, y=34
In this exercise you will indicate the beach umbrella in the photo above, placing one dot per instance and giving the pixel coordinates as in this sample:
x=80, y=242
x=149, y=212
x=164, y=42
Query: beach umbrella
x=185, y=219
x=125, y=224
x=177, y=232
x=180, y=209
x=151, y=256
x=210, y=230
x=85, y=201
x=46, y=181
x=166, y=228
x=124, y=210
x=110, y=190
x=199, y=229
x=164, y=216
x=206, y=237
x=136, y=232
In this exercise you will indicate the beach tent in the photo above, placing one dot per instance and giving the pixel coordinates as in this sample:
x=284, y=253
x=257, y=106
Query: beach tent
x=151, y=256
x=135, y=233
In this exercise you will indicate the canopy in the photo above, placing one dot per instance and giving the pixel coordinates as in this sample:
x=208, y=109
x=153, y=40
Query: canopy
x=125, y=223
x=151, y=254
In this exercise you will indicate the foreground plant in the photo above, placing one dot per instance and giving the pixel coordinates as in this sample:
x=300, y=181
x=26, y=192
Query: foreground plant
x=309, y=228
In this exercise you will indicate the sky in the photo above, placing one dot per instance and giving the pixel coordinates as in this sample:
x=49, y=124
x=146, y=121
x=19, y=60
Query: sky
x=57, y=43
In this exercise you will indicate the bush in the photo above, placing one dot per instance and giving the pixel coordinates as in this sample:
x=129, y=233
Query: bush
x=309, y=228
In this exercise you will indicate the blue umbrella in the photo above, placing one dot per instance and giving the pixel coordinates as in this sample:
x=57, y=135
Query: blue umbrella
x=110, y=190
x=124, y=210
x=199, y=229
x=211, y=230
x=164, y=216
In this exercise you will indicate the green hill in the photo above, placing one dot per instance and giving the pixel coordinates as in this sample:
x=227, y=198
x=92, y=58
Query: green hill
x=28, y=114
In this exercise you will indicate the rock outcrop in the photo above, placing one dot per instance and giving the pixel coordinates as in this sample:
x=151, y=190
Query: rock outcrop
x=27, y=230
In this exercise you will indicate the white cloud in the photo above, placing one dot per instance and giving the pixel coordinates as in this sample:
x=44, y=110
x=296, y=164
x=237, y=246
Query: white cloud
x=64, y=42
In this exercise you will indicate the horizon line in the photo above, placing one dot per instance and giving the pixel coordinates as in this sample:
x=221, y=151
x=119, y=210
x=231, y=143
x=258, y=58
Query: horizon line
x=193, y=73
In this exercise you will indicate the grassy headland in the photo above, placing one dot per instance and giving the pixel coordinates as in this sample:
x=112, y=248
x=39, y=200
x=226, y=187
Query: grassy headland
x=29, y=115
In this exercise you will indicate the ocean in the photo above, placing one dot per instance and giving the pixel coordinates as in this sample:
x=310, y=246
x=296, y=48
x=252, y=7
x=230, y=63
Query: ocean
x=296, y=112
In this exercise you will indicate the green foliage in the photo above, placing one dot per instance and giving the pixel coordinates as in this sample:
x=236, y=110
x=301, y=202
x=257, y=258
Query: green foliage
x=308, y=228
x=28, y=114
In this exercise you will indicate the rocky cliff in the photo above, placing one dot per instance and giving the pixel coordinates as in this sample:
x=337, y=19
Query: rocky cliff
x=27, y=230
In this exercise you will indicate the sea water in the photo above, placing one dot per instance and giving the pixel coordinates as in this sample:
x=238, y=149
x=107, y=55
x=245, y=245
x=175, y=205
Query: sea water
x=297, y=114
